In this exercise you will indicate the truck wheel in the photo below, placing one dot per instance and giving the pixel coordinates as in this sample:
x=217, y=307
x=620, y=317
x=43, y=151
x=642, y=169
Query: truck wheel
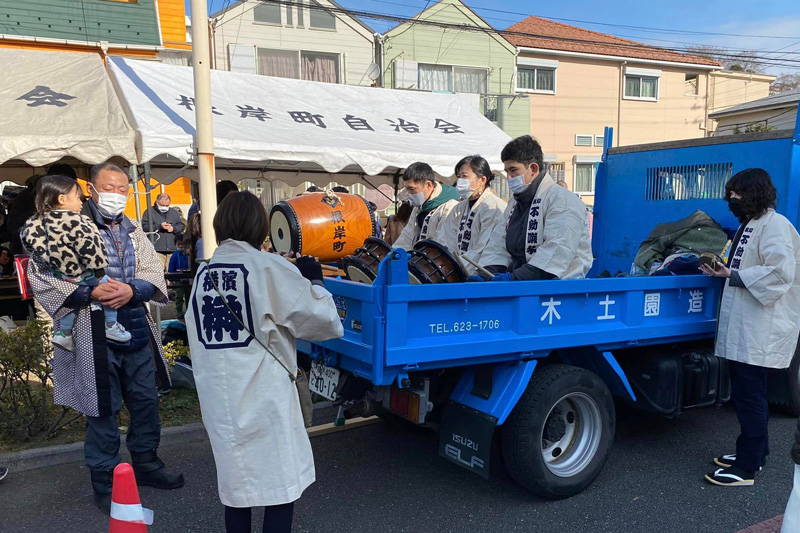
x=783, y=387
x=558, y=436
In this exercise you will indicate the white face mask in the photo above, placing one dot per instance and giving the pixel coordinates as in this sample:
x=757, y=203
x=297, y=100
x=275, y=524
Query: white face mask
x=416, y=199
x=163, y=208
x=463, y=187
x=111, y=203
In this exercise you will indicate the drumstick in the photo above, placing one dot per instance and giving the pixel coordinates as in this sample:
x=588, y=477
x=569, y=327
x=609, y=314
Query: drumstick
x=329, y=268
x=458, y=260
x=481, y=270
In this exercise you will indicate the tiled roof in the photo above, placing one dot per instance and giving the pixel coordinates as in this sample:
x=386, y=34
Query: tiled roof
x=544, y=33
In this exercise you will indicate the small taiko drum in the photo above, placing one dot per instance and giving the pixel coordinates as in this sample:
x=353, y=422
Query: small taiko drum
x=362, y=266
x=430, y=262
x=328, y=227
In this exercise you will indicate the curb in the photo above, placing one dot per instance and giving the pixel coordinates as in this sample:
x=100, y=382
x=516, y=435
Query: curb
x=73, y=453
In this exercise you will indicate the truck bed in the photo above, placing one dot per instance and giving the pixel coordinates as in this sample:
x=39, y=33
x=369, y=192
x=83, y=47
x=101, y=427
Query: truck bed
x=392, y=328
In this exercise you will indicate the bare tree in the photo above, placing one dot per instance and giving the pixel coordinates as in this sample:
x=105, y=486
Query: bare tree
x=730, y=60
x=785, y=82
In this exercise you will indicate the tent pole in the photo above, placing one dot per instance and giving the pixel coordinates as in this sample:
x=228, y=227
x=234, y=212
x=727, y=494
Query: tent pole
x=204, y=138
x=133, y=173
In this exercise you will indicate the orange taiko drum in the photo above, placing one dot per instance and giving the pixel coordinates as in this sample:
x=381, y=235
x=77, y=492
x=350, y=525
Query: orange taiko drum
x=362, y=266
x=328, y=227
x=430, y=262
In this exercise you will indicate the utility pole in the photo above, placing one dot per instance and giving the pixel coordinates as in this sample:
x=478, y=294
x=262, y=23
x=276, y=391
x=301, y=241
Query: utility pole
x=204, y=134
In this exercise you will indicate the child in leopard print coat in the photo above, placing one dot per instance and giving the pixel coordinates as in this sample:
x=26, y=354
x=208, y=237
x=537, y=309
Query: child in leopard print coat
x=70, y=243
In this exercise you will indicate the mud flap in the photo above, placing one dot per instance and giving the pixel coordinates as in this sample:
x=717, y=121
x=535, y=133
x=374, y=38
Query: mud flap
x=465, y=437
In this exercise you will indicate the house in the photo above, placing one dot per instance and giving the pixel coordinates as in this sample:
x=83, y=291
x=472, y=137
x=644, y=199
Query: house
x=139, y=29
x=146, y=29
x=433, y=52
x=775, y=112
x=313, y=41
x=731, y=88
x=580, y=81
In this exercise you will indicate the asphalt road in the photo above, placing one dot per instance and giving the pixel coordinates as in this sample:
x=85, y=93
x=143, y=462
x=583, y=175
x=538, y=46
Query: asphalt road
x=388, y=478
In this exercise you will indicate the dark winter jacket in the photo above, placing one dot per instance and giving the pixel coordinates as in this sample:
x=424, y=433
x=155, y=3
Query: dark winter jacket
x=152, y=219
x=121, y=267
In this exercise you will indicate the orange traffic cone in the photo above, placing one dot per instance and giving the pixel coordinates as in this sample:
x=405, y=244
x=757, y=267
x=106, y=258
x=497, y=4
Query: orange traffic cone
x=127, y=513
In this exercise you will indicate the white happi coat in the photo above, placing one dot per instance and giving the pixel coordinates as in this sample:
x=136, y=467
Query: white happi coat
x=250, y=406
x=759, y=324
x=434, y=226
x=468, y=231
x=558, y=240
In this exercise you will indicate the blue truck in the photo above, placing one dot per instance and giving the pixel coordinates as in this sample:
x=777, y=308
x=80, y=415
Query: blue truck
x=533, y=368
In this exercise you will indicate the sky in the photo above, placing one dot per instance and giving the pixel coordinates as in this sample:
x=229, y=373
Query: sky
x=675, y=24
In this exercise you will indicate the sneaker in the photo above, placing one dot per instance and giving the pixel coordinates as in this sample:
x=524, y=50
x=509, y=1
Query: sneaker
x=731, y=477
x=117, y=333
x=64, y=341
x=726, y=461
x=3, y=473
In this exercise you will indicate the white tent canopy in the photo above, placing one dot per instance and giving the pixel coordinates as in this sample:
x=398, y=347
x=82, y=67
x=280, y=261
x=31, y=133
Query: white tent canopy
x=294, y=131
x=56, y=105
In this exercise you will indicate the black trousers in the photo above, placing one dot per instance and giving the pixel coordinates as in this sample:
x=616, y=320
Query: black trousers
x=133, y=378
x=749, y=395
x=277, y=519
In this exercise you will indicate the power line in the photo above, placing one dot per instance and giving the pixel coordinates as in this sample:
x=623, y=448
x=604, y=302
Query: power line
x=626, y=26
x=615, y=35
x=793, y=63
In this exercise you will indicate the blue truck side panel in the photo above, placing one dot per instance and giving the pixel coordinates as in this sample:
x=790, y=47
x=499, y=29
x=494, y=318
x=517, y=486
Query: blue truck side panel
x=392, y=329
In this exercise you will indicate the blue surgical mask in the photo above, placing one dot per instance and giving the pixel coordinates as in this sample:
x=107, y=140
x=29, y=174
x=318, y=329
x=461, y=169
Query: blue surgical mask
x=517, y=183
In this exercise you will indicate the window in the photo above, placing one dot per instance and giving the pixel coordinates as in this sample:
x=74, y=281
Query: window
x=558, y=171
x=322, y=18
x=301, y=12
x=269, y=13
x=289, y=10
x=470, y=80
x=598, y=140
x=690, y=86
x=641, y=88
x=320, y=67
x=447, y=78
x=584, y=140
x=584, y=177
x=279, y=63
x=435, y=78
x=536, y=79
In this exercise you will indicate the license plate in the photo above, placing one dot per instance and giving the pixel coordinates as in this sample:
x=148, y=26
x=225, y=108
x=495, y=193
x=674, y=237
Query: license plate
x=323, y=380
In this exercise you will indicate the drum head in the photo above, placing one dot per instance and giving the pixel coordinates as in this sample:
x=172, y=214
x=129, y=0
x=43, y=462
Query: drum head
x=358, y=271
x=284, y=230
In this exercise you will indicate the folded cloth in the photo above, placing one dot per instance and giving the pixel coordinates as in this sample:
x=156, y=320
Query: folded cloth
x=680, y=264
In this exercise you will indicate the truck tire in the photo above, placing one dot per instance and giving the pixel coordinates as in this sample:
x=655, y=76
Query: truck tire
x=557, y=438
x=783, y=387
